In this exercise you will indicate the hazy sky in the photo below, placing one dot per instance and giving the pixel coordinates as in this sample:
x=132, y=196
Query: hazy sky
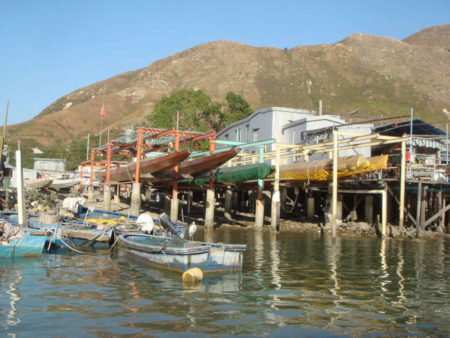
x=49, y=48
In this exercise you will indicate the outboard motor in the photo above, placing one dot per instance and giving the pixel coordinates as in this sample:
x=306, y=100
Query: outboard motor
x=165, y=221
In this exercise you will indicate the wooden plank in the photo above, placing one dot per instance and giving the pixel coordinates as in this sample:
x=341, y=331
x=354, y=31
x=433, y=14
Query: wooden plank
x=398, y=202
x=437, y=215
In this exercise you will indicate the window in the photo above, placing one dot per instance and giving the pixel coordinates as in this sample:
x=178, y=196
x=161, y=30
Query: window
x=238, y=135
x=255, y=134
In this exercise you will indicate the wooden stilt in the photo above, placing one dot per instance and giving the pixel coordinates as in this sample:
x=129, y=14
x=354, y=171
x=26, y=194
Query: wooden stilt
x=423, y=208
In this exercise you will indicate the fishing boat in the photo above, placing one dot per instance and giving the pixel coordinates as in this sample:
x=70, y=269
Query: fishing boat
x=64, y=233
x=322, y=170
x=64, y=183
x=237, y=174
x=38, y=183
x=201, y=165
x=178, y=254
x=147, y=166
x=24, y=244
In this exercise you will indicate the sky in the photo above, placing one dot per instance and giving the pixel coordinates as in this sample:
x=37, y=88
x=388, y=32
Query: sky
x=49, y=48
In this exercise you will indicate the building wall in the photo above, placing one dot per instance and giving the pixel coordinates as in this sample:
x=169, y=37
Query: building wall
x=27, y=174
x=49, y=164
x=263, y=124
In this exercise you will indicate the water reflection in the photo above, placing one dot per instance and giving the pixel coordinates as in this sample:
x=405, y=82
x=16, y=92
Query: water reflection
x=13, y=297
x=292, y=284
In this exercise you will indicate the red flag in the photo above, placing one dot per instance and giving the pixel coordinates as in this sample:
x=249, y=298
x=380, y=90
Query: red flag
x=103, y=111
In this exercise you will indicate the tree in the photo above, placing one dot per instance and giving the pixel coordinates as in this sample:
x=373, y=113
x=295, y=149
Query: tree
x=197, y=111
x=237, y=108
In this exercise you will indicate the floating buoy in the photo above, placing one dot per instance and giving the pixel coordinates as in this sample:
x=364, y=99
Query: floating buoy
x=192, y=276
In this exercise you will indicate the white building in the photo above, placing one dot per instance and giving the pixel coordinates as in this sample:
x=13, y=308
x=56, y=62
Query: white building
x=263, y=124
x=49, y=164
x=292, y=126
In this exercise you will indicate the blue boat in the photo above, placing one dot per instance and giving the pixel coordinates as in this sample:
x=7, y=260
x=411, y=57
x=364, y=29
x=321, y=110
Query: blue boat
x=177, y=254
x=68, y=234
x=30, y=244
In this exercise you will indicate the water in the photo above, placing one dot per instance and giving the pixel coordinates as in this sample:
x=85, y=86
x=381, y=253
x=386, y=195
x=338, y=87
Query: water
x=292, y=284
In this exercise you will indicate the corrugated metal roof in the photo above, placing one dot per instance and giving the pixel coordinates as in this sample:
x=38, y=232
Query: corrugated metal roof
x=149, y=138
x=420, y=127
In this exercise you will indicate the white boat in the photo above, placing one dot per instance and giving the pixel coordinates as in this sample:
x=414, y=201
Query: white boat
x=39, y=183
x=64, y=183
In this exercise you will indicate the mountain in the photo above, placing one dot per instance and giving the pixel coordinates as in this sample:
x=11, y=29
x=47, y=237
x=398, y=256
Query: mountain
x=436, y=36
x=380, y=76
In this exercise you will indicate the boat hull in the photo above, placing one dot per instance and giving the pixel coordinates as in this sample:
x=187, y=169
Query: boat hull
x=148, y=166
x=202, y=165
x=208, y=257
x=28, y=246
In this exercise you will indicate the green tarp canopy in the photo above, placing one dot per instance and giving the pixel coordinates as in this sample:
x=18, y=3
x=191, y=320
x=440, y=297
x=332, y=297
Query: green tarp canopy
x=236, y=174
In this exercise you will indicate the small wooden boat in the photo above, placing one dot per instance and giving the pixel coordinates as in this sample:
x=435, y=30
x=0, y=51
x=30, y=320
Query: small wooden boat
x=64, y=183
x=147, y=166
x=30, y=244
x=66, y=233
x=177, y=254
x=38, y=183
x=201, y=165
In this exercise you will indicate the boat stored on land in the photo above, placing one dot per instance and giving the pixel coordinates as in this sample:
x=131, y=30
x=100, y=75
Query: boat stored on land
x=201, y=165
x=39, y=183
x=147, y=166
x=237, y=174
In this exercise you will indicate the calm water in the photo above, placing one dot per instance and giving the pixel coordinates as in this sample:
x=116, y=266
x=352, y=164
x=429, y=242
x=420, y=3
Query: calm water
x=291, y=285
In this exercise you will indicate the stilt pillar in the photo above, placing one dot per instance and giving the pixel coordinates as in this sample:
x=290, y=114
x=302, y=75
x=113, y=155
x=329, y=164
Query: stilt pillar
x=91, y=193
x=107, y=197
x=340, y=203
x=275, y=212
x=174, y=209
x=117, y=196
x=419, y=208
x=368, y=209
x=167, y=204
x=234, y=202
x=384, y=212
x=209, y=209
x=228, y=202
x=283, y=198
x=259, y=213
x=276, y=199
x=310, y=207
x=136, y=199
